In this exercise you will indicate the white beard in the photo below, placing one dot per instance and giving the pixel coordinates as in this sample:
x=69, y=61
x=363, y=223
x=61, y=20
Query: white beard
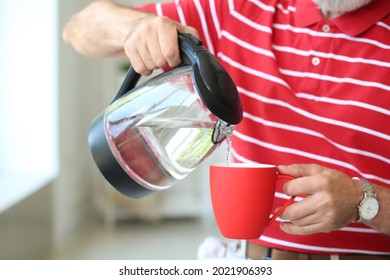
x=340, y=6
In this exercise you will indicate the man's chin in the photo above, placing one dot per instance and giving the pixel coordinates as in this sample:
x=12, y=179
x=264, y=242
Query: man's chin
x=340, y=6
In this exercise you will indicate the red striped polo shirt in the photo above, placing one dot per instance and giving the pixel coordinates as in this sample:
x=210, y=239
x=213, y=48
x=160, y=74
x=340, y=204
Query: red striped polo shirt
x=313, y=91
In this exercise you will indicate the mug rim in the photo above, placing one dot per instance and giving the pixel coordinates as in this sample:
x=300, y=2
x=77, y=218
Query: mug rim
x=243, y=165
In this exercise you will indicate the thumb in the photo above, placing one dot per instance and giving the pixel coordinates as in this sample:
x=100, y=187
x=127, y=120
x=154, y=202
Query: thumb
x=300, y=170
x=287, y=170
x=187, y=29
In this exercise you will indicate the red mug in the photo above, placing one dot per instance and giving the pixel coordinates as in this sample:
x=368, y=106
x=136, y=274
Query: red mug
x=242, y=195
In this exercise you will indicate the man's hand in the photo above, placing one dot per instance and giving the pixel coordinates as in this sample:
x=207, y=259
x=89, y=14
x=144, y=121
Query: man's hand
x=331, y=202
x=153, y=43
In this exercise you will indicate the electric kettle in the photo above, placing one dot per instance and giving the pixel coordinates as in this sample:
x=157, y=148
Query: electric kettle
x=157, y=132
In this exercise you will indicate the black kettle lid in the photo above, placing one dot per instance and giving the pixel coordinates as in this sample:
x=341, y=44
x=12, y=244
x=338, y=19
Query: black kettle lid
x=214, y=85
x=216, y=88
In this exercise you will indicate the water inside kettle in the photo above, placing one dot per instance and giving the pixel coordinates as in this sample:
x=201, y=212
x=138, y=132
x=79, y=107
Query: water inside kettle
x=162, y=151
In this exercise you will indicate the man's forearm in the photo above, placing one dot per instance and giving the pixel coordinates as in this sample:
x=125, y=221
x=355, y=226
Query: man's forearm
x=100, y=29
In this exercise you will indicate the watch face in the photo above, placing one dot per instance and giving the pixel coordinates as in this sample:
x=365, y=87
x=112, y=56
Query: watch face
x=369, y=208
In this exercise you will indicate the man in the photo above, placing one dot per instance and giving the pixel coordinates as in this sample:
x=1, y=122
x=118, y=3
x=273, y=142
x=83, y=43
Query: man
x=313, y=79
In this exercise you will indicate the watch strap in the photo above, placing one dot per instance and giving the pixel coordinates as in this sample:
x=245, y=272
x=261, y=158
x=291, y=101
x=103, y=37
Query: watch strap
x=368, y=189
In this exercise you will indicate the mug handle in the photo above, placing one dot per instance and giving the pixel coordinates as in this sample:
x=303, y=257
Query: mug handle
x=288, y=203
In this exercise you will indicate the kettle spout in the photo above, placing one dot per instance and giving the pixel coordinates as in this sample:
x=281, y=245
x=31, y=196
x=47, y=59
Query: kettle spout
x=221, y=131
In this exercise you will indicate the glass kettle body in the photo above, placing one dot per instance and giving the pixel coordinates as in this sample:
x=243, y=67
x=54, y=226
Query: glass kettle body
x=158, y=132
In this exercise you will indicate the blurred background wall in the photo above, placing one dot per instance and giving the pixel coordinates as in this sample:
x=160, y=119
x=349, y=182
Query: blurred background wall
x=50, y=189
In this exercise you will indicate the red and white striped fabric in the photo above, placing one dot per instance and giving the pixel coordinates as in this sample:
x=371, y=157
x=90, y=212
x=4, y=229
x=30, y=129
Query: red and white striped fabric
x=313, y=91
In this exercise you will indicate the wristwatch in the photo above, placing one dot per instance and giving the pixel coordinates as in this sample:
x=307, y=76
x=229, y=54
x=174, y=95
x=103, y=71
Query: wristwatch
x=369, y=206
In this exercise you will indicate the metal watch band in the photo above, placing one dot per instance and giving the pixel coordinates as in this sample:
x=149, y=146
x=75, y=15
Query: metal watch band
x=368, y=189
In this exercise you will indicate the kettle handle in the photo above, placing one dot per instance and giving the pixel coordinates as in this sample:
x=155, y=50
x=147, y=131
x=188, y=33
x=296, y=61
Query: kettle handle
x=189, y=47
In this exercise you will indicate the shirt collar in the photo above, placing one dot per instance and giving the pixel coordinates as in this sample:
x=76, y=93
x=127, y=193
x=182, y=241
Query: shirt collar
x=353, y=23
